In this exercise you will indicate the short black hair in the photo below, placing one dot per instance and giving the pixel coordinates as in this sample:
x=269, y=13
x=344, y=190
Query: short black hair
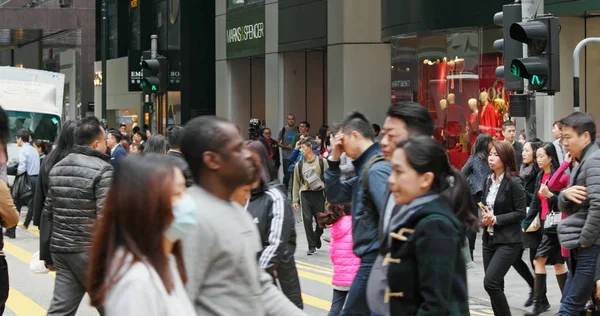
x=117, y=135
x=581, y=123
x=507, y=123
x=174, y=134
x=136, y=129
x=305, y=123
x=356, y=121
x=376, y=128
x=88, y=130
x=142, y=135
x=122, y=124
x=415, y=116
x=200, y=135
x=23, y=134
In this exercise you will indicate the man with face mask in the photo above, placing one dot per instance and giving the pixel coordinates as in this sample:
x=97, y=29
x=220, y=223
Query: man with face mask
x=78, y=185
x=224, y=277
x=403, y=120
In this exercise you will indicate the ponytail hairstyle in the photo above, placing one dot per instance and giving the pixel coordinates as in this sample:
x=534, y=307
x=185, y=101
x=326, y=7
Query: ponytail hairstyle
x=333, y=214
x=424, y=154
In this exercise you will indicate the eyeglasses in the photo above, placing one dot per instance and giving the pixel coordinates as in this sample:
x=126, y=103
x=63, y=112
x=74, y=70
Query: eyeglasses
x=267, y=133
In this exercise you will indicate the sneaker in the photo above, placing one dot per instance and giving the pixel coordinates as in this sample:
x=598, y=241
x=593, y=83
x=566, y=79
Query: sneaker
x=311, y=252
x=319, y=243
x=24, y=227
x=10, y=235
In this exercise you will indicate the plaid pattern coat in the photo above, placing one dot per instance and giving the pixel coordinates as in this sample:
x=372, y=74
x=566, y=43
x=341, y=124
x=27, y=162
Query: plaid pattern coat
x=427, y=271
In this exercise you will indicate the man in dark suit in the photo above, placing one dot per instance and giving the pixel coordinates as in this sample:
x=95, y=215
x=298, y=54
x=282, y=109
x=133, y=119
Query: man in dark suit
x=174, y=154
x=509, y=131
x=117, y=152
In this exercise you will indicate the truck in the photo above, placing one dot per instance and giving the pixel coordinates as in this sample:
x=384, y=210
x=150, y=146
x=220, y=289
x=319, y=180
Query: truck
x=32, y=99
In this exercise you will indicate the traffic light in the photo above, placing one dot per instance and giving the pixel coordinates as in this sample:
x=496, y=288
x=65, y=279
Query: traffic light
x=511, y=49
x=148, y=107
x=542, y=67
x=155, y=75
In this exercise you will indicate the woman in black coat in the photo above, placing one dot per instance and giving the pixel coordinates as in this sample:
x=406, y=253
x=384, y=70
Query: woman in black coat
x=504, y=209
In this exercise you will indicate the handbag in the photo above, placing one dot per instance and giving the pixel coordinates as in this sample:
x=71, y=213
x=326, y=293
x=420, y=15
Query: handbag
x=535, y=225
x=552, y=221
x=21, y=188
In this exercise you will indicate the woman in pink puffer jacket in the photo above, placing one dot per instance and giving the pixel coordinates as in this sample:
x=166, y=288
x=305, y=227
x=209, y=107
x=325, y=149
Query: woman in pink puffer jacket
x=345, y=263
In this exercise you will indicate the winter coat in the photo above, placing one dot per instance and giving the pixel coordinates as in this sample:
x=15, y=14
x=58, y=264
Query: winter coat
x=581, y=228
x=274, y=218
x=345, y=263
x=426, y=269
x=78, y=185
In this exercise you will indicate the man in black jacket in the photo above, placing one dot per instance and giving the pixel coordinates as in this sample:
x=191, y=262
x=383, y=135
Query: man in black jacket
x=174, y=154
x=78, y=185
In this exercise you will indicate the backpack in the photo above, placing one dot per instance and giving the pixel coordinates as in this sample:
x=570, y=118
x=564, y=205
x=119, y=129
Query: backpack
x=366, y=194
x=282, y=132
x=314, y=181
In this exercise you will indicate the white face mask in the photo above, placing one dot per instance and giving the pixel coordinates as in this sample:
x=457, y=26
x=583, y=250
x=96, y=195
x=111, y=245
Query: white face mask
x=185, y=213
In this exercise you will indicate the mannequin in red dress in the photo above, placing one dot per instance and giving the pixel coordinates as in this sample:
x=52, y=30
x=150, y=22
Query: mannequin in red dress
x=488, y=121
x=501, y=116
x=473, y=126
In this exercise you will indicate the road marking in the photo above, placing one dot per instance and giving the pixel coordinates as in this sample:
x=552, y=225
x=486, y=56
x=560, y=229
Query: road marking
x=32, y=229
x=478, y=312
x=23, y=305
x=314, y=277
x=301, y=266
x=20, y=254
x=316, y=302
x=314, y=266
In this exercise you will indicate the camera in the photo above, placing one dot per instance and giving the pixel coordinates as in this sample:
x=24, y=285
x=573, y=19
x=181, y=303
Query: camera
x=254, y=129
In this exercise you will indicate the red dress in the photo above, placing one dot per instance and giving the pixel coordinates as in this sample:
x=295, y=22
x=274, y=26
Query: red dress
x=489, y=121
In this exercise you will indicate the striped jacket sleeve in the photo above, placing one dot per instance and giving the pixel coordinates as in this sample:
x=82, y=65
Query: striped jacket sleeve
x=281, y=226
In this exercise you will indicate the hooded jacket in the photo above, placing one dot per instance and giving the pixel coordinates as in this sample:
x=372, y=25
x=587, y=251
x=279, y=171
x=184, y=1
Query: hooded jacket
x=78, y=185
x=273, y=215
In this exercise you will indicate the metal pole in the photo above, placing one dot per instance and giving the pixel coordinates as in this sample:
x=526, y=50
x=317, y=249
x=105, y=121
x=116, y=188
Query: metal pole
x=576, y=54
x=153, y=97
x=104, y=53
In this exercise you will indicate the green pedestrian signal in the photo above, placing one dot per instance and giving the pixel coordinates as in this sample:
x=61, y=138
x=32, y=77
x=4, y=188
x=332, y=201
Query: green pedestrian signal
x=535, y=80
x=153, y=88
x=515, y=71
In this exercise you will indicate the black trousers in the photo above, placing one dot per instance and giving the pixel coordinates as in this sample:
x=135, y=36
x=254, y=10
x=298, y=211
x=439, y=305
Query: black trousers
x=312, y=204
x=471, y=235
x=3, y=284
x=497, y=259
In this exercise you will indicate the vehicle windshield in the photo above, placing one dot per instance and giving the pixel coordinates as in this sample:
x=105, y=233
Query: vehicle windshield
x=44, y=126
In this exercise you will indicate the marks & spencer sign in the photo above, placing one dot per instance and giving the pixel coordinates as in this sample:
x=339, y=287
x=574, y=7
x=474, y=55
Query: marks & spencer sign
x=245, y=33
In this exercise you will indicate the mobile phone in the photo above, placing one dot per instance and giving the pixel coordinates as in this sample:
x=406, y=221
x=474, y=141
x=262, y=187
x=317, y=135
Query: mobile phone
x=481, y=206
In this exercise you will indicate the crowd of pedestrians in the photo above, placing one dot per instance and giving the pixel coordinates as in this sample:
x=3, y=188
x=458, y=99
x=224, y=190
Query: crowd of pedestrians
x=212, y=232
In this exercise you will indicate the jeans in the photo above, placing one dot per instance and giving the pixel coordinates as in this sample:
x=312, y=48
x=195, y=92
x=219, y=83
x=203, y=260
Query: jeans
x=337, y=302
x=497, y=259
x=580, y=280
x=356, y=302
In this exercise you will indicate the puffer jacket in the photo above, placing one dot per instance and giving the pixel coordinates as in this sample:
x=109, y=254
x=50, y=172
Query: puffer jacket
x=582, y=227
x=274, y=217
x=345, y=263
x=78, y=185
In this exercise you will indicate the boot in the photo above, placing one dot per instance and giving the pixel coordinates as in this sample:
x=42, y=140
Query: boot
x=561, y=279
x=540, y=302
x=529, y=301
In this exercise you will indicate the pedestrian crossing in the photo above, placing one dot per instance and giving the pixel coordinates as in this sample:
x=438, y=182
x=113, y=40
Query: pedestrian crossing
x=315, y=282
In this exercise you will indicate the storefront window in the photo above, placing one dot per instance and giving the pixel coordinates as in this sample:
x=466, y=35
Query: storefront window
x=452, y=74
x=128, y=117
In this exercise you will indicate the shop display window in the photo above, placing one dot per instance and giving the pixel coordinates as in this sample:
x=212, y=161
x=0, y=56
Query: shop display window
x=452, y=74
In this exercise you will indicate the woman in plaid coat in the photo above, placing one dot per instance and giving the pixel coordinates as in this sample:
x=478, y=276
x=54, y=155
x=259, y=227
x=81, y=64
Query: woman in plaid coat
x=426, y=268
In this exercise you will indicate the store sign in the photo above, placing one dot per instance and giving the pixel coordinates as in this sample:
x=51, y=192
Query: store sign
x=245, y=33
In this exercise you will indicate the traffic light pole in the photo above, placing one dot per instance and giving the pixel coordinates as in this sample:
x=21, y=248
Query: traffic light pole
x=528, y=11
x=153, y=98
x=104, y=53
x=576, y=54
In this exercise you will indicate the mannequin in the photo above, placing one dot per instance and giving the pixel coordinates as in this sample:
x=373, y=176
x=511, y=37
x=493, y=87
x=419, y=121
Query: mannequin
x=488, y=121
x=456, y=116
x=443, y=113
x=501, y=116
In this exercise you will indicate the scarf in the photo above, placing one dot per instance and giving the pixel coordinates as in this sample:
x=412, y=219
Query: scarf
x=525, y=172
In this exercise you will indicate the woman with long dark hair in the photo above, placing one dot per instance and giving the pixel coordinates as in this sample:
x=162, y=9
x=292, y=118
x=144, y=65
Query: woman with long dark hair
x=136, y=265
x=323, y=141
x=276, y=224
x=503, y=210
x=477, y=170
x=531, y=239
x=431, y=228
x=42, y=216
x=544, y=204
